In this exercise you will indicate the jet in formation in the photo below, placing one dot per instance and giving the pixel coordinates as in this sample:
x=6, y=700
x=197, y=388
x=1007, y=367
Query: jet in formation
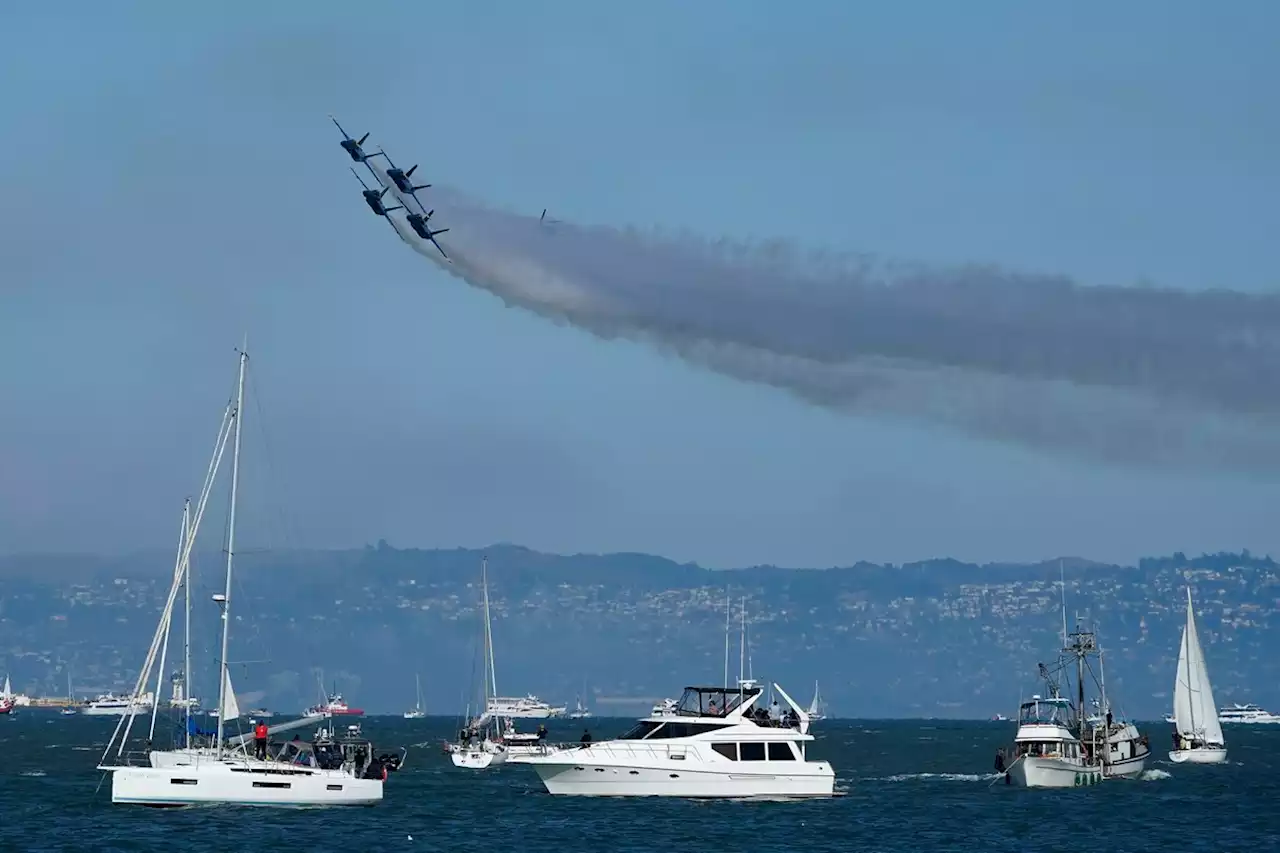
x=400, y=180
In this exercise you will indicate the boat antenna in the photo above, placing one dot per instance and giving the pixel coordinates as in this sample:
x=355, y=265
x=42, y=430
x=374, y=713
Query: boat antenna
x=728, y=610
x=1062, y=590
x=223, y=672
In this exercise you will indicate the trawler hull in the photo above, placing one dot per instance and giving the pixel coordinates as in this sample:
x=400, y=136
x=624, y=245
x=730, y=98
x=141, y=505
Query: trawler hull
x=1127, y=768
x=240, y=783
x=1199, y=756
x=1030, y=772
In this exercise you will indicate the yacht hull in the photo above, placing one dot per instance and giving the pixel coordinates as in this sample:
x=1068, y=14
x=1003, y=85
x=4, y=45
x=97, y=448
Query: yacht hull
x=1028, y=772
x=1199, y=756
x=802, y=780
x=240, y=783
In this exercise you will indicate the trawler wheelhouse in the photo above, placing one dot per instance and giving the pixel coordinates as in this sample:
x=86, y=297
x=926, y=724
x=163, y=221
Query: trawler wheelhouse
x=1044, y=729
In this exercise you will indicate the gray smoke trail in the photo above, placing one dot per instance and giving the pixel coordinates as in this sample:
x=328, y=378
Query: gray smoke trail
x=1126, y=374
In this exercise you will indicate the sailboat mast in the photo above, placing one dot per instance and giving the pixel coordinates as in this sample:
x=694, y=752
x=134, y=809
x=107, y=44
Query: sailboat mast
x=491, y=677
x=231, y=550
x=742, y=648
x=186, y=636
x=1186, y=645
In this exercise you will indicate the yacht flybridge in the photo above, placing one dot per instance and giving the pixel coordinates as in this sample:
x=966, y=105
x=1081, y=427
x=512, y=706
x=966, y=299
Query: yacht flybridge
x=221, y=769
x=718, y=742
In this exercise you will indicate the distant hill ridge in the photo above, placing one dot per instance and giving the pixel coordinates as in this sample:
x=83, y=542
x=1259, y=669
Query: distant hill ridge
x=927, y=638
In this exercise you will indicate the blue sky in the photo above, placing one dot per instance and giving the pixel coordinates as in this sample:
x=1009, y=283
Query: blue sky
x=175, y=183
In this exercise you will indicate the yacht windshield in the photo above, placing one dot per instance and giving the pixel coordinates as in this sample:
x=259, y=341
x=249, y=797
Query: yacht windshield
x=639, y=731
x=1052, y=710
x=713, y=701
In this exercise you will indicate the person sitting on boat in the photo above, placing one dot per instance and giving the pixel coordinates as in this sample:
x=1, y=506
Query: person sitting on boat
x=711, y=709
x=585, y=740
x=260, y=741
x=792, y=720
x=542, y=732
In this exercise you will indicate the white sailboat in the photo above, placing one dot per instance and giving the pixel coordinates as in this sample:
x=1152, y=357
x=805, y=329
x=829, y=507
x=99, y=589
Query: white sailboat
x=416, y=713
x=1198, y=734
x=483, y=746
x=817, y=708
x=332, y=772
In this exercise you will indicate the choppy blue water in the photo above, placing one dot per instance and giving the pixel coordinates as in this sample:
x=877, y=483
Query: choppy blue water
x=910, y=785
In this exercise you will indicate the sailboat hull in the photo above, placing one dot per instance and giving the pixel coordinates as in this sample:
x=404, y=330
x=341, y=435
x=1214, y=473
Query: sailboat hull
x=240, y=783
x=1207, y=755
x=478, y=759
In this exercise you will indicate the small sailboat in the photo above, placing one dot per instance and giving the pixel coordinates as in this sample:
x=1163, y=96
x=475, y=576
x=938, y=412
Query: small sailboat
x=416, y=713
x=6, y=698
x=1197, y=733
x=817, y=708
x=327, y=771
x=580, y=711
x=481, y=744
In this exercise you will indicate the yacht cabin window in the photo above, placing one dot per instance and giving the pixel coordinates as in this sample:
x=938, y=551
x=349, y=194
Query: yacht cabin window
x=728, y=750
x=781, y=751
x=752, y=751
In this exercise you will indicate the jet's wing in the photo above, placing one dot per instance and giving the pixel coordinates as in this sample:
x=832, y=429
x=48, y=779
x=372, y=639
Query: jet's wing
x=396, y=228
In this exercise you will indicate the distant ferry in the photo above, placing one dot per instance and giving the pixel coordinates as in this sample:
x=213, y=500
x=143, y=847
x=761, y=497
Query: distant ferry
x=1246, y=714
x=522, y=708
x=111, y=705
x=999, y=718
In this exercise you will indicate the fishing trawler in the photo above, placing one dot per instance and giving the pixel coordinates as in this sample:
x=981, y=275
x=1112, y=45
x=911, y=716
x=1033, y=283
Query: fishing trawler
x=1057, y=745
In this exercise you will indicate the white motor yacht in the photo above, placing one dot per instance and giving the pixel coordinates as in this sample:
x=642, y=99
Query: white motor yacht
x=718, y=743
x=522, y=708
x=111, y=705
x=1244, y=714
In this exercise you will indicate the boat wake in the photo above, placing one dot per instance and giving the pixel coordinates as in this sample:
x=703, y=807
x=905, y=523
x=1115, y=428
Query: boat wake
x=34, y=773
x=1154, y=775
x=939, y=777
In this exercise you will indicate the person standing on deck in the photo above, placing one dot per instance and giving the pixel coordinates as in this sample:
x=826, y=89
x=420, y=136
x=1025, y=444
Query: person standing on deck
x=260, y=741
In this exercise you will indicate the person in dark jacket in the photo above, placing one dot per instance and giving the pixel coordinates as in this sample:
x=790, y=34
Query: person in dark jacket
x=1000, y=760
x=585, y=740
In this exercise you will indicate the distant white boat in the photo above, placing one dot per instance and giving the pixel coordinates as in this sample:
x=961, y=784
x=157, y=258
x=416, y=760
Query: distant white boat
x=664, y=708
x=1246, y=714
x=579, y=712
x=111, y=705
x=817, y=708
x=1199, y=737
x=522, y=708
x=417, y=713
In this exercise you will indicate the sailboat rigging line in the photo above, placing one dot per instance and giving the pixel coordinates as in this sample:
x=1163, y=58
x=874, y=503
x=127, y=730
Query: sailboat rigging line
x=125, y=723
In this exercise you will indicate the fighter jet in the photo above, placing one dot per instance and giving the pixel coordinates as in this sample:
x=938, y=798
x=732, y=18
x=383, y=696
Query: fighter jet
x=352, y=146
x=400, y=177
x=419, y=223
x=373, y=198
x=544, y=221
